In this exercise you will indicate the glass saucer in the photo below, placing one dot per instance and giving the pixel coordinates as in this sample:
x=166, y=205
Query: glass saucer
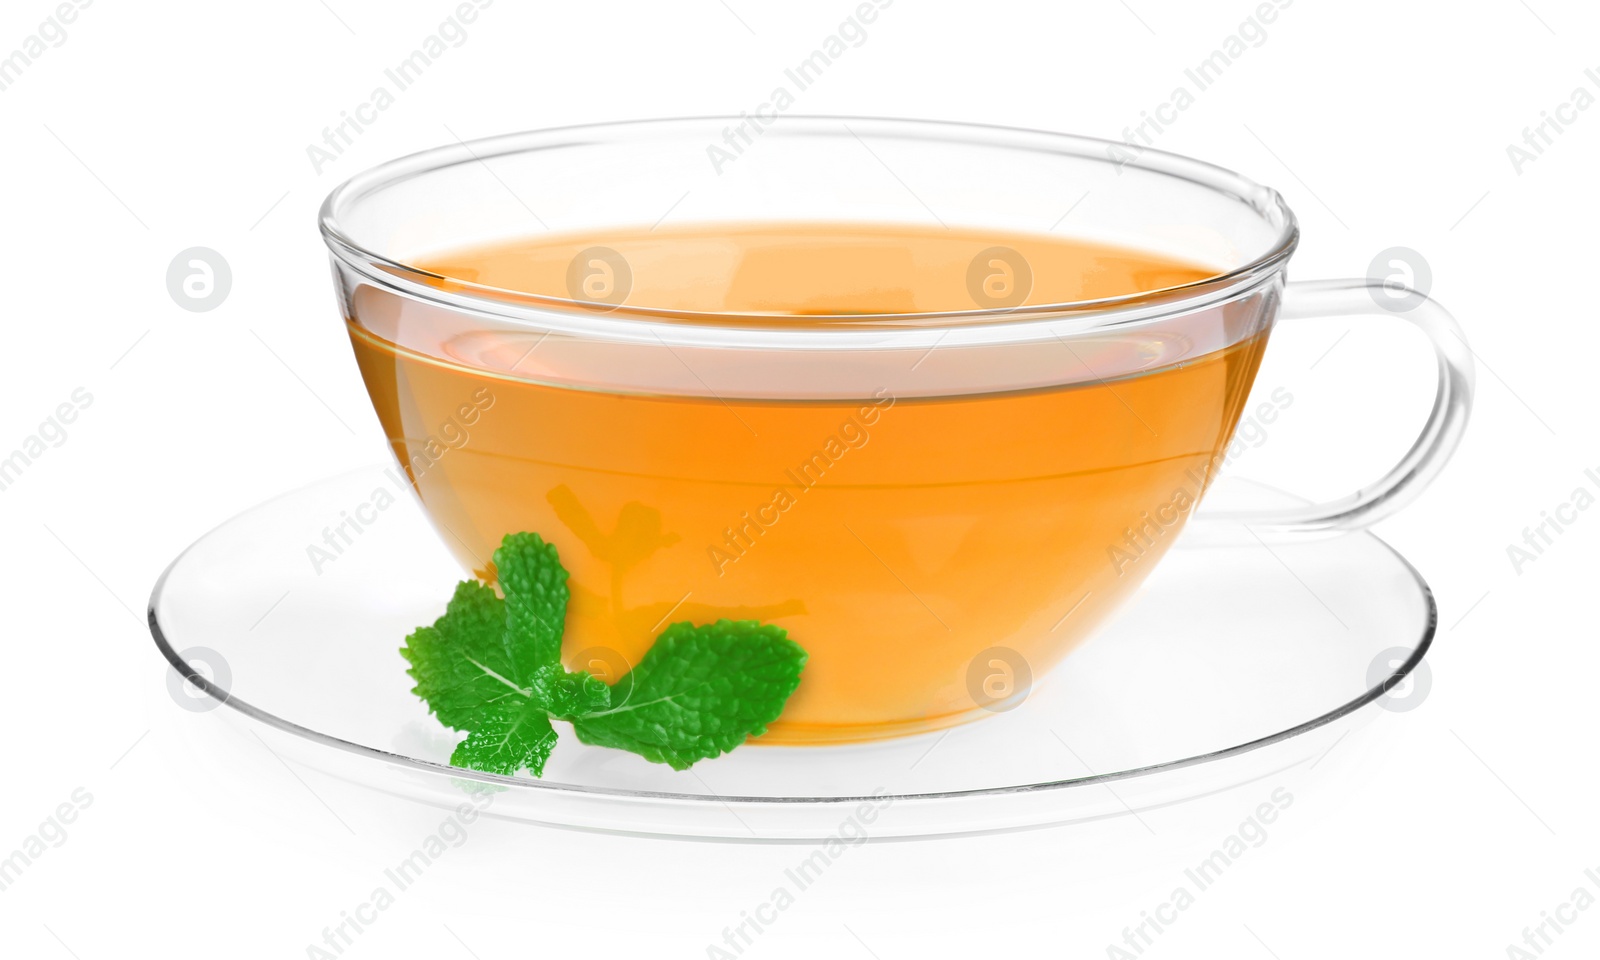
x=1236, y=661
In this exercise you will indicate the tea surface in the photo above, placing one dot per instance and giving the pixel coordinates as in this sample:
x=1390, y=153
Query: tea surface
x=795, y=270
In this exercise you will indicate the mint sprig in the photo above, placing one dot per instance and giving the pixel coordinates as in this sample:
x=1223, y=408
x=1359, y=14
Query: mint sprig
x=491, y=667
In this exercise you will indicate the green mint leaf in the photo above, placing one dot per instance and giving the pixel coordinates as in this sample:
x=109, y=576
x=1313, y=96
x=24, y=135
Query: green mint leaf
x=698, y=692
x=461, y=663
x=535, y=587
x=491, y=667
x=507, y=736
x=578, y=694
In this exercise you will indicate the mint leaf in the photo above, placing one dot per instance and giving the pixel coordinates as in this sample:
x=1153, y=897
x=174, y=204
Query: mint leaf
x=699, y=692
x=506, y=737
x=535, y=587
x=461, y=663
x=491, y=667
x=577, y=694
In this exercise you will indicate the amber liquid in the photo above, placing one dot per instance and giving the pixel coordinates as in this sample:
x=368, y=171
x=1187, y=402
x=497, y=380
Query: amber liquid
x=895, y=538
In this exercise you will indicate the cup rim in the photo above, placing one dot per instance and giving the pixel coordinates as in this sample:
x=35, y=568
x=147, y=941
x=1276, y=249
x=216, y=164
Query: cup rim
x=577, y=317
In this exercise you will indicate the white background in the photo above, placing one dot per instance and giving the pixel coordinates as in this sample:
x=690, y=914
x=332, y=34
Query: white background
x=160, y=126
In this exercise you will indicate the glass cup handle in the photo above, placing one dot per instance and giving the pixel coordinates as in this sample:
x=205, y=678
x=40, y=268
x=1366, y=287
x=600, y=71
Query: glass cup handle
x=1434, y=445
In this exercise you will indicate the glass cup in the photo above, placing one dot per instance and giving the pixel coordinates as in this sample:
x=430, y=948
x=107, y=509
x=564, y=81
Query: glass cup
x=938, y=506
